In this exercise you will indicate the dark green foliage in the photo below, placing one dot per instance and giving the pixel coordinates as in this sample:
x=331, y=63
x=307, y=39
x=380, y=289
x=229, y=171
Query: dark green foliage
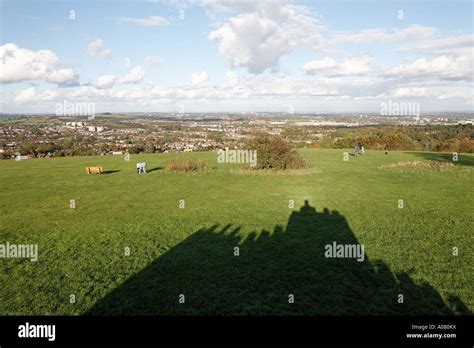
x=273, y=152
x=423, y=138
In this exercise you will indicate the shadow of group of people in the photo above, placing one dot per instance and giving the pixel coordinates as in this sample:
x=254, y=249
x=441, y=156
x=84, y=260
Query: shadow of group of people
x=284, y=272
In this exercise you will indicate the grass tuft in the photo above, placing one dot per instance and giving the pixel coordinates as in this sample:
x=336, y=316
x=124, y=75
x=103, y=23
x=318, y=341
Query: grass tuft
x=430, y=165
x=185, y=165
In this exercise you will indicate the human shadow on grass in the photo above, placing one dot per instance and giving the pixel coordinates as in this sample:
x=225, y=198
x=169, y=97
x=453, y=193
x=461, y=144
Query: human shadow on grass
x=463, y=159
x=269, y=268
x=153, y=169
x=110, y=171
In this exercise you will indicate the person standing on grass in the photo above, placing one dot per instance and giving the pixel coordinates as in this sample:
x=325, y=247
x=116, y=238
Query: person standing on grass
x=141, y=168
x=356, y=150
x=362, y=150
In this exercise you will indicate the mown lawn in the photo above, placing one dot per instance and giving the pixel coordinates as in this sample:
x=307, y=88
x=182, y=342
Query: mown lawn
x=190, y=250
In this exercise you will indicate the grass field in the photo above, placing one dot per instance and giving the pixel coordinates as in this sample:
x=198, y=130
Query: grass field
x=190, y=250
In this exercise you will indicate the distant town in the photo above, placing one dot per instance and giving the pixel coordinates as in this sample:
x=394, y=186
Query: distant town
x=103, y=134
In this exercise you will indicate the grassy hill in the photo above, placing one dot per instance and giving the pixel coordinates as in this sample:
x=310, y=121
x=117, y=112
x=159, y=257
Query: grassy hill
x=190, y=250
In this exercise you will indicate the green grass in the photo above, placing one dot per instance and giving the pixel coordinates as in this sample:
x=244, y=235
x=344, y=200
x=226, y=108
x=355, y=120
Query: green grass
x=191, y=251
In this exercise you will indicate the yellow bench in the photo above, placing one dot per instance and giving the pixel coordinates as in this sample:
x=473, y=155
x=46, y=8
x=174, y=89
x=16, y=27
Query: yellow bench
x=94, y=170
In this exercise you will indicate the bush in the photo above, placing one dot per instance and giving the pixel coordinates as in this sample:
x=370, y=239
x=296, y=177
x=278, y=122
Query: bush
x=467, y=146
x=182, y=165
x=58, y=153
x=273, y=152
x=4, y=155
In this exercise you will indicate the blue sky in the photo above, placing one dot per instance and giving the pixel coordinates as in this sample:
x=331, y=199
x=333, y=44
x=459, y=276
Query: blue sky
x=236, y=55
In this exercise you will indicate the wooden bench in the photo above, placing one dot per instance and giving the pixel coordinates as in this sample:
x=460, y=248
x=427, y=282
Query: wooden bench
x=94, y=170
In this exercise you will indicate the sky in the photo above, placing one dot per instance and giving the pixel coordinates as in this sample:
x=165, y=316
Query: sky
x=236, y=56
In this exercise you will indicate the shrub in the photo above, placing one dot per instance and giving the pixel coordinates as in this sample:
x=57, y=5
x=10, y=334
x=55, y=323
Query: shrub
x=182, y=165
x=58, y=153
x=4, y=155
x=273, y=152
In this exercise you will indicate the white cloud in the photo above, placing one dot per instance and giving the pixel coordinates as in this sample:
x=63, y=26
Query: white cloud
x=353, y=66
x=199, y=78
x=232, y=78
x=432, y=93
x=409, y=92
x=456, y=95
x=62, y=76
x=21, y=64
x=30, y=94
x=323, y=64
x=232, y=6
x=152, y=21
x=134, y=76
x=96, y=49
x=25, y=95
x=234, y=87
x=258, y=40
x=289, y=86
x=266, y=92
x=82, y=92
x=365, y=36
x=153, y=60
x=443, y=67
x=442, y=45
x=106, y=81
